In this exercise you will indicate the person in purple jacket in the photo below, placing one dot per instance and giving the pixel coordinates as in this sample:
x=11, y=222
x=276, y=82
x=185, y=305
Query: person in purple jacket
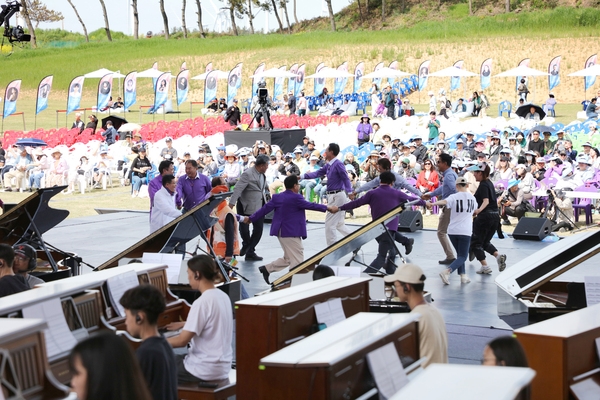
x=382, y=200
x=364, y=130
x=289, y=224
x=193, y=188
x=338, y=185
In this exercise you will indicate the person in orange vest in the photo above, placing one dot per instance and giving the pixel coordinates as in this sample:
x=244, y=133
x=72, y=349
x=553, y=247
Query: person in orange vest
x=223, y=236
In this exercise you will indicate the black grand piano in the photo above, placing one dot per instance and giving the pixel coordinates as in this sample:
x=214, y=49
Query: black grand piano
x=173, y=237
x=533, y=290
x=27, y=221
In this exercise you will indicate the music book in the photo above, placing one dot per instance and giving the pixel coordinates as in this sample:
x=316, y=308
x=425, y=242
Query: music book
x=387, y=370
x=330, y=312
x=592, y=289
x=348, y=272
x=117, y=286
x=59, y=338
x=172, y=261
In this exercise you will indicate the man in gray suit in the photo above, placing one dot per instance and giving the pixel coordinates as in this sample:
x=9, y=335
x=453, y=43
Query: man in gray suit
x=250, y=195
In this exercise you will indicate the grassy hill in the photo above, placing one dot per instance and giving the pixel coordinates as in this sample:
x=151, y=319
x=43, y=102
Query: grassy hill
x=506, y=38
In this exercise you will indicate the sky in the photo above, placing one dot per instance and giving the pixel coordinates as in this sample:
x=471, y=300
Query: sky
x=120, y=18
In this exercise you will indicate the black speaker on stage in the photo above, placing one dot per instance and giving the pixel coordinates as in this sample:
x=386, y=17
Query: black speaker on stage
x=410, y=221
x=532, y=228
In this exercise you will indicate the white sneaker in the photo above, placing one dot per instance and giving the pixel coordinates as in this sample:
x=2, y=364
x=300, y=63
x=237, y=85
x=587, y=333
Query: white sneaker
x=501, y=262
x=485, y=270
x=464, y=278
x=445, y=275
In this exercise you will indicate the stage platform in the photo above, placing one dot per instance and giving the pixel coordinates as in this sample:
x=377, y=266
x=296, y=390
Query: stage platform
x=469, y=309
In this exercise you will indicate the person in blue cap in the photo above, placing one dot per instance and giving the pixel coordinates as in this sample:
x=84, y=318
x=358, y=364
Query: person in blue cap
x=512, y=202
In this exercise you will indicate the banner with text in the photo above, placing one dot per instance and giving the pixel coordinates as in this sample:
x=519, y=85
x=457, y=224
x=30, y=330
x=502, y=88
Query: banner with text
x=11, y=95
x=377, y=81
x=554, y=71
x=74, y=96
x=300, y=79
x=234, y=81
x=455, y=80
x=42, y=94
x=183, y=86
x=130, y=89
x=590, y=80
x=340, y=83
x=319, y=83
x=486, y=73
x=359, y=71
x=104, y=91
x=210, y=87
x=423, y=74
x=161, y=94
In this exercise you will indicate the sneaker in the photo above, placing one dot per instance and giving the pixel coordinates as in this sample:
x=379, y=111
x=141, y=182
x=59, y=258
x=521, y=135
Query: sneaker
x=501, y=262
x=484, y=270
x=445, y=275
x=8, y=189
x=506, y=222
x=464, y=278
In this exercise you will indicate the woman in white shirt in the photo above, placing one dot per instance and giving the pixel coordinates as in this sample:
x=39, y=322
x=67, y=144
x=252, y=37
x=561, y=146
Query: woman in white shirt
x=462, y=204
x=208, y=329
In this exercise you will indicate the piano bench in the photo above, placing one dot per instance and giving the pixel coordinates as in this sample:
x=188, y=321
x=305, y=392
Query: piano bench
x=191, y=391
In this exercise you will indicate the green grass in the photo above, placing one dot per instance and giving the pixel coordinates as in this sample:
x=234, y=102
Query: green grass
x=126, y=54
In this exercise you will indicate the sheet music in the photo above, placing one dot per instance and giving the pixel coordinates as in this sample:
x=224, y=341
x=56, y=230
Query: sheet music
x=58, y=336
x=173, y=262
x=348, y=272
x=330, y=312
x=387, y=370
x=592, y=289
x=118, y=285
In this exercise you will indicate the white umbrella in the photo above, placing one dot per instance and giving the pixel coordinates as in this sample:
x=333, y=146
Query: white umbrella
x=274, y=73
x=220, y=75
x=594, y=70
x=386, y=72
x=328, y=72
x=150, y=73
x=521, y=71
x=100, y=73
x=453, y=71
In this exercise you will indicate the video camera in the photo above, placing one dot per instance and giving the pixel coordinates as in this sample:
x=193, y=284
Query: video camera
x=262, y=93
x=15, y=34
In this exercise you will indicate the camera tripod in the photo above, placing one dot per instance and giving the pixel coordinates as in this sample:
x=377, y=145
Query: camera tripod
x=557, y=211
x=265, y=114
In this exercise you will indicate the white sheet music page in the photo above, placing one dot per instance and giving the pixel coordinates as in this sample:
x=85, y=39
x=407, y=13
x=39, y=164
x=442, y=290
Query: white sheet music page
x=58, y=336
x=330, y=312
x=118, y=285
x=387, y=370
x=172, y=261
x=592, y=289
x=348, y=272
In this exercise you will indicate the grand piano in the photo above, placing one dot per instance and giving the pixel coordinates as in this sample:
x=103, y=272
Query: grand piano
x=532, y=290
x=173, y=237
x=27, y=221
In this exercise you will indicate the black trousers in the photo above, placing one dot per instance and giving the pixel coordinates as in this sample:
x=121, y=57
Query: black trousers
x=484, y=227
x=386, y=254
x=250, y=241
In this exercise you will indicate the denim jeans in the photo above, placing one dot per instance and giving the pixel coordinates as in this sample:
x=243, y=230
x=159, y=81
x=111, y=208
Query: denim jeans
x=35, y=179
x=461, y=244
x=308, y=185
x=137, y=182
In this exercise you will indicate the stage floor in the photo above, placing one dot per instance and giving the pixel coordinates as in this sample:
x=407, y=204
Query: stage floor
x=466, y=307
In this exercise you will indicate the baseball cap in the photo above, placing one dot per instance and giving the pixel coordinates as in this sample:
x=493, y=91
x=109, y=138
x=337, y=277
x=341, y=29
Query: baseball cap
x=25, y=250
x=477, y=167
x=461, y=180
x=298, y=150
x=587, y=144
x=221, y=148
x=512, y=182
x=405, y=160
x=317, y=159
x=407, y=273
x=187, y=153
x=168, y=139
x=459, y=140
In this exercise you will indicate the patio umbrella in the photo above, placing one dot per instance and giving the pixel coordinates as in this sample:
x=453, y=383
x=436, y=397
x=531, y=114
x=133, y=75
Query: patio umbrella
x=220, y=75
x=328, y=72
x=31, y=142
x=274, y=73
x=524, y=110
x=453, y=71
x=385, y=72
x=129, y=127
x=150, y=73
x=117, y=121
x=99, y=73
x=594, y=70
x=542, y=128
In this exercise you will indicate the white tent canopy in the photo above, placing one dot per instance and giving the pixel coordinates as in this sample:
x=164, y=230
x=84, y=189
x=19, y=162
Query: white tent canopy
x=220, y=75
x=102, y=72
x=329, y=72
x=453, y=71
x=521, y=71
x=150, y=73
x=274, y=73
x=594, y=70
x=386, y=72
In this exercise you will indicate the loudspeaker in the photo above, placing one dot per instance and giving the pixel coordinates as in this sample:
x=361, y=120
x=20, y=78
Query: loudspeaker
x=410, y=221
x=532, y=228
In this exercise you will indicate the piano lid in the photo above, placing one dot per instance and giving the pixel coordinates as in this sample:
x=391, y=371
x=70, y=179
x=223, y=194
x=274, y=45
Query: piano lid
x=176, y=233
x=544, y=265
x=31, y=217
x=344, y=246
